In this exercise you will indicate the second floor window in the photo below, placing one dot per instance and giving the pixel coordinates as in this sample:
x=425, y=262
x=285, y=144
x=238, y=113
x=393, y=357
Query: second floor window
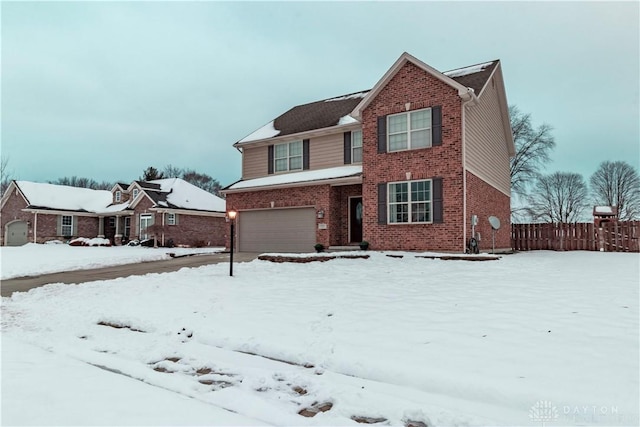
x=409, y=130
x=118, y=196
x=135, y=193
x=356, y=146
x=288, y=157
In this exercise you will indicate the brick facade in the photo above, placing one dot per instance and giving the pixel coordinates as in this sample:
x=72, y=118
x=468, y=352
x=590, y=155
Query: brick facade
x=415, y=86
x=332, y=200
x=484, y=200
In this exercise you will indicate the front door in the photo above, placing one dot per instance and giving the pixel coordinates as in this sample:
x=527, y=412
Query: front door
x=145, y=222
x=355, y=219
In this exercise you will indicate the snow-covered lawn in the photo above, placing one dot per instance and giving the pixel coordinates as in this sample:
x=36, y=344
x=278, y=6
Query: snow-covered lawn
x=533, y=338
x=33, y=259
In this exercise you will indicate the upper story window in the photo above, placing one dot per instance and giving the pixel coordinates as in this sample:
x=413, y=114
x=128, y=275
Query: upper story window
x=410, y=130
x=118, y=196
x=135, y=193
x=356, y=146
x=410, y=202
x=67, y=225
x=171, y=219
x=288, y=157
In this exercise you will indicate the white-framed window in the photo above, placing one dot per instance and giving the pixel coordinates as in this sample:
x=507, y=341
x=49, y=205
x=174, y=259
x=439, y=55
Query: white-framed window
x=112, y=221
x=410, y=130
x=410, y=202
x=356, y=146
x=171, y=219
x=118, y=196
x=67, y=225
x=287, y=157
x=146, y=220
x=135, y=193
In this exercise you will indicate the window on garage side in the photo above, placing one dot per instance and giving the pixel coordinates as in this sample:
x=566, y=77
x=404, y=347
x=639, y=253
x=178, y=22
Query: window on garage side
x=67, y=225
x=288, y=156
x=356, y=146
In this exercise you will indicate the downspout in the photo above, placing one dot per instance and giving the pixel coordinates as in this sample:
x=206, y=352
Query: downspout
x=35, y=227
x=163, y=229
x=471, y=98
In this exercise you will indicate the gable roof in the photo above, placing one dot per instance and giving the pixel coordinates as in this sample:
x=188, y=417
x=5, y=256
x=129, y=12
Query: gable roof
x=345, y=109
x=176, y=193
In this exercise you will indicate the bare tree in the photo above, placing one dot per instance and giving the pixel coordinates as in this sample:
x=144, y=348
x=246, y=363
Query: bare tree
x=202, y=180
x=6, y=174
x=559, y=197
x=617, y=184
x=81, y=182
x=171, y=171
x=533, y=147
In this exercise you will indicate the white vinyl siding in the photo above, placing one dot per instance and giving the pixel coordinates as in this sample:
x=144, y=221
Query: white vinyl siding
x=411, y=130
x=410, y=202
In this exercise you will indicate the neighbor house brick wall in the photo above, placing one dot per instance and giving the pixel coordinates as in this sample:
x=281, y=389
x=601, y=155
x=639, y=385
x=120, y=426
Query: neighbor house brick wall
x=12, y=211
x=192, y=230
x=415, y=86
x=484, y=200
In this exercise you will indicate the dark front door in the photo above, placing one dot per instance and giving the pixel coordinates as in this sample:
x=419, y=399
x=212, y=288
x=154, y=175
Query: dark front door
x=355, y=219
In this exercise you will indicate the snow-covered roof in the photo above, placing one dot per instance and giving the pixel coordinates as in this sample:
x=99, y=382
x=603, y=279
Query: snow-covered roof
x=459, y=72
x=63, y=197
x=299, y=177
x=350, y=96
x=179, y=193
x=603, y=209
x=266, y=131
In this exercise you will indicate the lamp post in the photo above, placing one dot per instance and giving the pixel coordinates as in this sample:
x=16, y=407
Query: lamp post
x=232, y=217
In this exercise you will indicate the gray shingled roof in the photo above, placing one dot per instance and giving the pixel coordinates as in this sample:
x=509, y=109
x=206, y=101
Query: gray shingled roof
x=328, y=112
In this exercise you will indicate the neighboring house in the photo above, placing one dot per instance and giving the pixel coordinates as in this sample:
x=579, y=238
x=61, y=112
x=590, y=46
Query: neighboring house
x=172, y=209
x=404, y=166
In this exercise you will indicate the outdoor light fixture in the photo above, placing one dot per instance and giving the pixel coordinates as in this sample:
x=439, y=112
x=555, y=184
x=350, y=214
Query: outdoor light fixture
x=232, y=217
x=321, y=213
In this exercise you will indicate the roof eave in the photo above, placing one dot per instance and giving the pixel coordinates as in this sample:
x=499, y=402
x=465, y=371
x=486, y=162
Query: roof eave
x=345, y=180
x=300, y=135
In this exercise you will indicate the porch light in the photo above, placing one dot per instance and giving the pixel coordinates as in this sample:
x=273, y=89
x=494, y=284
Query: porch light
x=321, y=214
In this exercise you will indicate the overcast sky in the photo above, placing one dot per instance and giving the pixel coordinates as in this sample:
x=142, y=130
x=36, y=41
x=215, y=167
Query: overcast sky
x=104, y=90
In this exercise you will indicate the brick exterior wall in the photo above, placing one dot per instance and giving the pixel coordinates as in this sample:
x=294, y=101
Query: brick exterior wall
x=332, y=200
x=413, y=85
x=484, y=200
x=11, y=211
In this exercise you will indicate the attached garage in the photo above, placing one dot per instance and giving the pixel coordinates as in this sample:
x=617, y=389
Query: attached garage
x=16, y=233
x=277, y=230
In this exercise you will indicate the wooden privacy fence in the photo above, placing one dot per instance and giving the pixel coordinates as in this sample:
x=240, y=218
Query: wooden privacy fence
x=622, y=236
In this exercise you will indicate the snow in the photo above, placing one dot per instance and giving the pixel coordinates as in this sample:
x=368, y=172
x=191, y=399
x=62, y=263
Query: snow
x=54, y=196
x=53, y=258
x=351, y=96
x=604, y=209
x=266, y=131
x=96, y=241
x=306, y=176
x=346, y=120
x=442, y=342
x=467, y=70
x=188, y=196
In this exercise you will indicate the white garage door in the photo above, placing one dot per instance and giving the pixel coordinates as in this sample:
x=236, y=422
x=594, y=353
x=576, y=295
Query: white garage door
x=277, y=230
x=17, y=233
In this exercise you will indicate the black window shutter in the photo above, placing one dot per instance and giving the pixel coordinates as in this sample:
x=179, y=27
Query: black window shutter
x=382, y=203
x=436, y=125
x=305, y=154
x=437, y=200
x=382, y=134
x=270, y=160
x=347, y=148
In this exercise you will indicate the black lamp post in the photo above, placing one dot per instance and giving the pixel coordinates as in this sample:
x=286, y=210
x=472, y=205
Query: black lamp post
x=232, y=217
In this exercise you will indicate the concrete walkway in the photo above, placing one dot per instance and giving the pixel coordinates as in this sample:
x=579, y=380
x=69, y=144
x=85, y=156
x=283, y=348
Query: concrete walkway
x=23, y=284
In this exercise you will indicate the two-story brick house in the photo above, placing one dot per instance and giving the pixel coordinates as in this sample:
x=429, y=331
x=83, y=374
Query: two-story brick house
x=171, y=210
x=404, y=166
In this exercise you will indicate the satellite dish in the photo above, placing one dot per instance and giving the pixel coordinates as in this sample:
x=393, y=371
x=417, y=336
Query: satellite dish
x=495, y=222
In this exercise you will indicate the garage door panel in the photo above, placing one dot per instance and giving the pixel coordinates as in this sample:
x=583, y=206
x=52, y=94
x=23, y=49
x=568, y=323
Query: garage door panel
x=17, y=233
x=277, y=230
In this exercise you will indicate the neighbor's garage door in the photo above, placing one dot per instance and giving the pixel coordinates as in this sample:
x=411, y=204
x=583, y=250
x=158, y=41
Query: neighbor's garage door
x=277, y=230
x=17, y=233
